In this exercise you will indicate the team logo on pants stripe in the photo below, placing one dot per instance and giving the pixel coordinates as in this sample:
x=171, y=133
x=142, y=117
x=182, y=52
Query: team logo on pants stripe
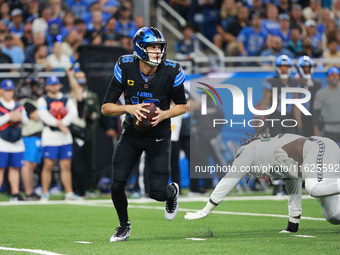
x=319, y=159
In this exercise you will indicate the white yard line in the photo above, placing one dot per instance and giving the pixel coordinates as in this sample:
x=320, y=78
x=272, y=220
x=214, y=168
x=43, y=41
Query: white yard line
x=30, y=251
x=149, y=200
x=304, y=236
x=134, y=203
x=195, y=239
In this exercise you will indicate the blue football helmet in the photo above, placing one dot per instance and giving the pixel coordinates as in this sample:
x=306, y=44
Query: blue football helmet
x=302, y=62
x=283, y=60
x=147, y=36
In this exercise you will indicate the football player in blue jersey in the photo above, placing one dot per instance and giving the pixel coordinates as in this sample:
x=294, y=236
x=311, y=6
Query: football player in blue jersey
x=282, y=79
x=305, y=67
x=145, y=77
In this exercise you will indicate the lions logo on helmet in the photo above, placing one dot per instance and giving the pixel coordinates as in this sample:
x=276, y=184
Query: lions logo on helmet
x=147, y=36
x=283, y=60
x=302, y=62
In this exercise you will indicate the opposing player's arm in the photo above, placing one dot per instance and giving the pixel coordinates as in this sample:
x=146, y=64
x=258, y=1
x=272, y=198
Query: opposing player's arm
x=243, y=159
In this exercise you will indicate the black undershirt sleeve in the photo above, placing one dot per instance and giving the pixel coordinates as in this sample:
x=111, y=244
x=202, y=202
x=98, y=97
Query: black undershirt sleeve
x=29, y=108
x=113, y=92
x=178, y=95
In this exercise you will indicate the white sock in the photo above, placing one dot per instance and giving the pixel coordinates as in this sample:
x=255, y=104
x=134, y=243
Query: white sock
x=294, y=220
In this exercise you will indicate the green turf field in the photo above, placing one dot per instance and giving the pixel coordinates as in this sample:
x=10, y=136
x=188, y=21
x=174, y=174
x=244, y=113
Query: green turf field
x=56, y=228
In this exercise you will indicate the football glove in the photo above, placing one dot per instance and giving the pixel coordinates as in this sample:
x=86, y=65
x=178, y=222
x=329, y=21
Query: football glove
x=196, y=215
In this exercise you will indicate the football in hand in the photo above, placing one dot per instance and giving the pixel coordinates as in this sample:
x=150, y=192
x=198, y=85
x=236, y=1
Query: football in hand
x=145, y=124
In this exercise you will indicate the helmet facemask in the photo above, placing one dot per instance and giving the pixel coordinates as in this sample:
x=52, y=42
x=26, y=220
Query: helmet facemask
x=154, y=57
x=283, y=60
x=284, y=75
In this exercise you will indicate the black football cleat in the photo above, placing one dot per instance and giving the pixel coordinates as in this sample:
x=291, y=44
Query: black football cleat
x=122, y=232
x=171, y=205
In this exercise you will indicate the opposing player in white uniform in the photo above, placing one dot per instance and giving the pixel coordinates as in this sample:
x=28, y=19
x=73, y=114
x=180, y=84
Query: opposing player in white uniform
x=315, y=160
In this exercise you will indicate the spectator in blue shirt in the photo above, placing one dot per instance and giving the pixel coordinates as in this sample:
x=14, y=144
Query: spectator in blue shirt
x=17, y=26
x=284, y=30
x=88, y=15
x=271, y=24
x=96, y=26
x=313, y=34
x=109, y=8
x=67, y=24
x=15, y=52
x=326, y=17
x=125, y=23
x=78, y=7
x=274, y=49
x=252, y=39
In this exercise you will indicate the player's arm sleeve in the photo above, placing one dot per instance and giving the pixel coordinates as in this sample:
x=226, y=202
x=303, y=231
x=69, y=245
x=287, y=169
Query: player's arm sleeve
x=237, y=172
x=115, y=88
x=71, y=114
x=44, y=115
x=177, y=93
x=294, y=190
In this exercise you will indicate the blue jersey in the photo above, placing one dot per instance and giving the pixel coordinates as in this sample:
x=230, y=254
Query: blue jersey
x=284, y=37
x=270, y=27
x=165, y=85
x=129, y=29
x=78, y=8
x=253, y=41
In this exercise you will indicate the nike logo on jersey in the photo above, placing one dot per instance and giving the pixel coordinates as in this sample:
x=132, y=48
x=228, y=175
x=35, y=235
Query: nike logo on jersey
x=159, y=140
x=144, y=94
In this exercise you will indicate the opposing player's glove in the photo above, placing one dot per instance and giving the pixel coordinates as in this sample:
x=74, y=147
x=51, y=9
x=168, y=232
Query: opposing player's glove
x=291, y=228
x=196, y=215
